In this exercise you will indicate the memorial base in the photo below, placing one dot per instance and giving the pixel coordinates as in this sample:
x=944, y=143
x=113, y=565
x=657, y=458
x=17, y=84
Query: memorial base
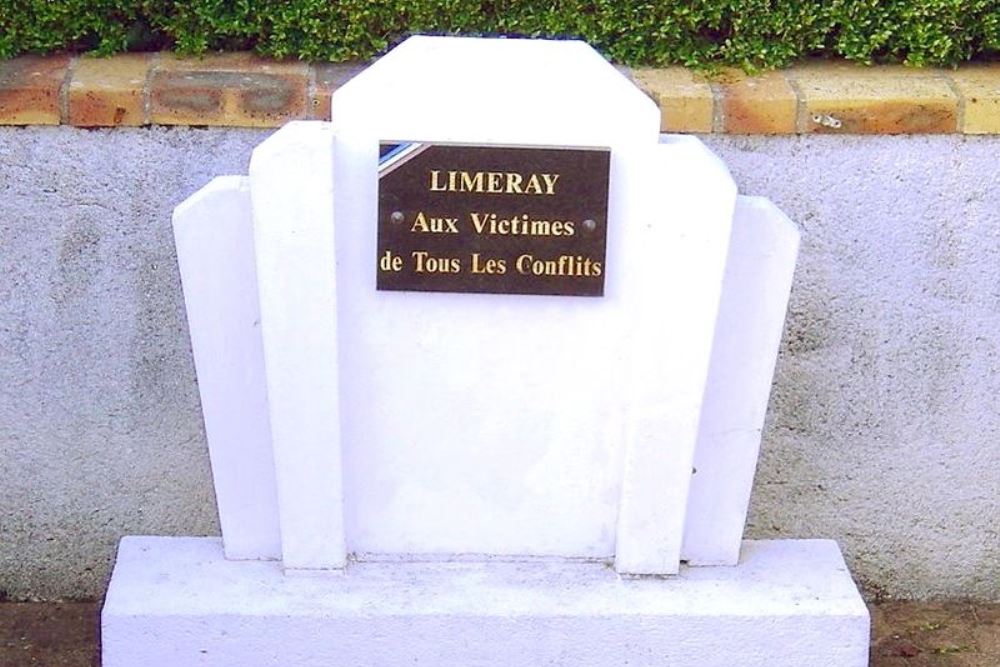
x=176, y=602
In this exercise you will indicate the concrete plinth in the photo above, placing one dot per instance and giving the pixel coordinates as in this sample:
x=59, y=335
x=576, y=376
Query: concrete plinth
x=177, y=602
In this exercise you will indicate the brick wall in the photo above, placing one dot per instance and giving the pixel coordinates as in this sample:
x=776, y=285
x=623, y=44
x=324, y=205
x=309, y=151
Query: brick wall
x=242, y=90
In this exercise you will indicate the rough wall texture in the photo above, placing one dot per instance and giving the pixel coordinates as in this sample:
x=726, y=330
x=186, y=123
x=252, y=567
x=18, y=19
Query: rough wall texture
x=884, y=430
x=883, y=433
x=100, y=427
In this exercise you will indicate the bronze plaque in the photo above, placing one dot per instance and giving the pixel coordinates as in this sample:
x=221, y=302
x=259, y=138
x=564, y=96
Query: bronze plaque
x=492, y=219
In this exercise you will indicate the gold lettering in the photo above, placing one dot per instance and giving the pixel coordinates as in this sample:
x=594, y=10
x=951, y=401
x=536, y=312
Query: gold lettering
x=493, y=182
x=534, y=186
x=541, y=228
x=519, y=225
x=560, y=228
x=419, y=256
x=433, y=225
x=423, y=262
x=479, y=222
x=514, y=182
x=435, y=185
x=390, y=262
x=420, y=224
x=571, y=266
x=471, y=183
x=488, y=266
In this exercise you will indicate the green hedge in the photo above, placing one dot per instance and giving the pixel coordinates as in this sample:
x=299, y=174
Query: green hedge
x=748, y=33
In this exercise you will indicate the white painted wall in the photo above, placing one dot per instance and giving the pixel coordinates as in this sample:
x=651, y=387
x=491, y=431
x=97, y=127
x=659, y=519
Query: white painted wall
x=882, y=426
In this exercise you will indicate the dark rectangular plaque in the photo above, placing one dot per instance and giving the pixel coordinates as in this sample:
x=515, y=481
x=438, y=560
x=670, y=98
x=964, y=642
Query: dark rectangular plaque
x=492, y=219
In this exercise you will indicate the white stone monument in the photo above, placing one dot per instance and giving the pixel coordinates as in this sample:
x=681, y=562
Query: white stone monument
x=423, y=475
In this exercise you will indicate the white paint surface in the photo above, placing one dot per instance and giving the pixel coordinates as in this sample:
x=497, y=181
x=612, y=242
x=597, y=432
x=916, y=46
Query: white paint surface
x=176, y=601
x=498, y=424
x=292, y=192
x=501, y=424
x=751, y=318
x=214, y=238
x=882, y=429
x=681, y=207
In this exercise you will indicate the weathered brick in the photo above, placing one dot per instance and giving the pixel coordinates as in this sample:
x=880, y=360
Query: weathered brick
x=241, y=89
x=329, y=77
x=239, y=61
x=685, y=99
x=29, y=89
x=979, y=87
x=853, y=99
x=109, y=91
x=764, y=104
x=235, y=89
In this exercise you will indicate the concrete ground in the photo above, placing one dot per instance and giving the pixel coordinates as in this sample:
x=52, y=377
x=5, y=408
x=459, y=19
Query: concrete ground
x=905, y=634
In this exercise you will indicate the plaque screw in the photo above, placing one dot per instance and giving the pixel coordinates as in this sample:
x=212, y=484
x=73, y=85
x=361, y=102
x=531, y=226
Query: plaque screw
x=396, y=217
x=589, y=225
